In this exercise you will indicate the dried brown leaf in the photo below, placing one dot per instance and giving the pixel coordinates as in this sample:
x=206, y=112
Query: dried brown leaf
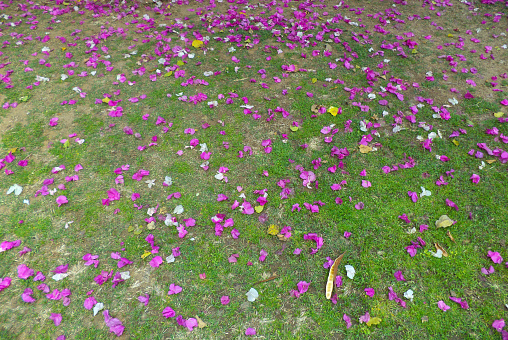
x=450, y=236
x=201, y=323
x=331, y=276
x=438, y=247
x=365, y=148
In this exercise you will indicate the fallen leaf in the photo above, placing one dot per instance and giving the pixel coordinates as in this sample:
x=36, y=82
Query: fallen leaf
x=444, y=221
x=294, y=128
x=282, y=237
x=151, y=225
x=13, y=150
x=450, y=236
x=130, y=229
x=314, y=80
x=455, y=142
x=201, y=323
x=438, y=247
x=106, y=100
x=498, y=114
x=365, y=148
x=425, y=318
x=145, y=254
x=315, y=108
x=259, y=208
x=490, y=161
x=331, y=276
x=373, y=321
x=273, y=229
x=138, y=230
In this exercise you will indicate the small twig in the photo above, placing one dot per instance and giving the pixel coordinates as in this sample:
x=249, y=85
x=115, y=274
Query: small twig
x=269, y=279
x=239, y=79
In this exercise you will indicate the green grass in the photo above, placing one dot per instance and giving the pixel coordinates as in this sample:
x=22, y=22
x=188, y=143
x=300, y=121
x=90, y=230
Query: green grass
x=376, y=248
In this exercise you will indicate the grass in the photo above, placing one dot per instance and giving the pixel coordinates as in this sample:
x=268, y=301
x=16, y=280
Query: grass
x=376, y=248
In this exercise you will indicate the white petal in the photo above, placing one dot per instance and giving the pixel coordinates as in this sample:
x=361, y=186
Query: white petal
x=170, y=259
x=252, y=295
x=59, y=276
x=350, y=271
x=98, y=307
x=178, y=210
x=125, y=275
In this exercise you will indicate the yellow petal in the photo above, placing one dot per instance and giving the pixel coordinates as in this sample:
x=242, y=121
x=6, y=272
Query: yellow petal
x=106, y=100
x=314, y=80
x=373, y=321
x=333, y=110
x=273, y=229
x=145, y=254
x=197, y=43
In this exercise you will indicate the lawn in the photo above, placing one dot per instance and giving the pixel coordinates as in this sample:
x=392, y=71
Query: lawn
x=194, y=169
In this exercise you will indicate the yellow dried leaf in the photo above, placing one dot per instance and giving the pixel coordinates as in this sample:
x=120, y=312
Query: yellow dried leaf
x=490, y=161
x=282, y=237
x=498, y=114
x=450, y=236
x=294, y=128
x=197, y=43
x=315, y=108
x=331, y=276
x=365, y=148
x=151, y=225
x=373, y=321
x=106, y=100
x=64, y=48
x=444, y=221
x=201, y=323
x=259, y=208
x=455, y=142
x=168, y=74
x=414, y=51
x=450, y=35
x=180, y=63
x=145, y=254
x=273, y=229
x=138, y=230
x=13, y=150
x=130, y=229
x=438, y=247
x=314, y=80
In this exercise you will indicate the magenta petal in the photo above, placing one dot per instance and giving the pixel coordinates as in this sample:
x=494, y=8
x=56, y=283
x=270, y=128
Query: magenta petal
x=369, y=291
x=250, y=331
x=168, y=312
x=498, y=325
x=347, y=319
x=441, y=305
x=156, y=262
x=191, y=323
x=57, y=318
x=144, y=299
x=89, y=302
